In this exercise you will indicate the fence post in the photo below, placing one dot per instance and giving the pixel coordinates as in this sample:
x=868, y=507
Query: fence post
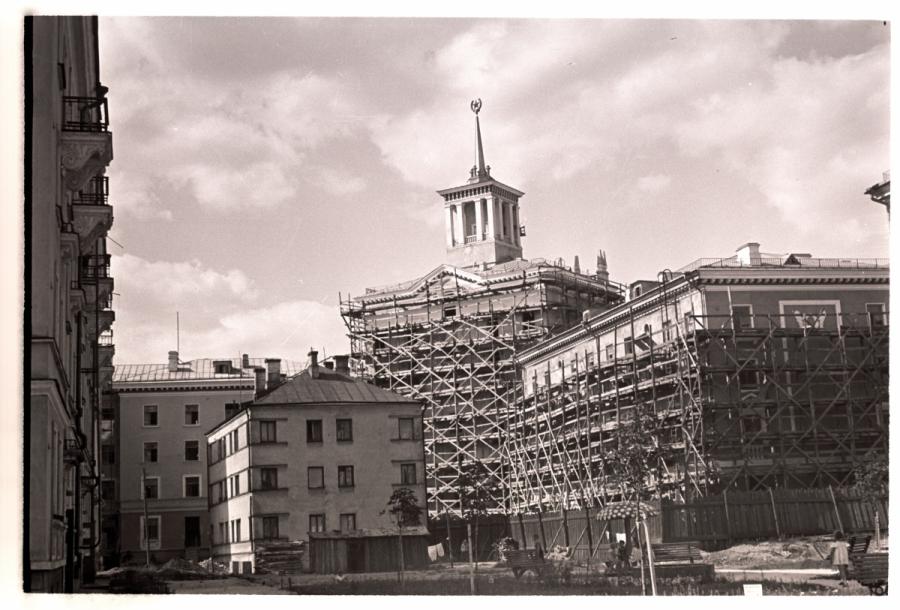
x=590, y=534
x=775, y=513
x=541, y=526
x=565, y=524
x=837, y=513
x=522, y=531
x=727, y=515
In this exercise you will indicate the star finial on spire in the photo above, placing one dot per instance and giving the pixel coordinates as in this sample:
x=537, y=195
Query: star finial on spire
x=478, y=171
x=476, y=105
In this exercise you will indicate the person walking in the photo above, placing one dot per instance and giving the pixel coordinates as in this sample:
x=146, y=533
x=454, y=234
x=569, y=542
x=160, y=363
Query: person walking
x=839, y=550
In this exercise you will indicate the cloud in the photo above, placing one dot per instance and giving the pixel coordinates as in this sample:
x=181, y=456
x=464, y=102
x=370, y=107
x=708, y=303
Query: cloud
x=653, y=183
x=219, y=314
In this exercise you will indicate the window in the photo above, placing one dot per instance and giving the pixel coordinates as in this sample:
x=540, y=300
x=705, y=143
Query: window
x=191, y=451
x=742, y=316
x=107, y=413
x=151, y=452
x=235, y=530
x=267, y=432
x=108, y=491
x=406, y=428
x=345, y=476
x=235, y=441
x=150, y=532
x=108, y=454
x=629, y=345
x=220, y=448
x=348, y=522
x=151, y=488
x=268, y=478
x=407, y=474
x=313, y=430
x=192, y=486
x=236, y=485
x=151, y=415
x=610, y=351
x=270, y=528
x=876, y=314
x=317, y=523
x=450, y=312
x=667, y=330
x=223, y=538
x=344, y=431
x=191, y=531
x=191, y=415
x=315, y=477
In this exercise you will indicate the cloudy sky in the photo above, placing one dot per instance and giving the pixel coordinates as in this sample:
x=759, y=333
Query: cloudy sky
x=262, y=166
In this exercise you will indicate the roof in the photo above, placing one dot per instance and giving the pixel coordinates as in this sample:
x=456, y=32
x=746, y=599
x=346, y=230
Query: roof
x=374, y=532
x=202, y=368
x=329, y=387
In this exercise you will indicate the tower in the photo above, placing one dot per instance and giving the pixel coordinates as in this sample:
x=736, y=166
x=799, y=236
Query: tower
x=482, y=215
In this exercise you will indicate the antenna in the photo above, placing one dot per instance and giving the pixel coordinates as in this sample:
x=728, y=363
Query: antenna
x=177, y=333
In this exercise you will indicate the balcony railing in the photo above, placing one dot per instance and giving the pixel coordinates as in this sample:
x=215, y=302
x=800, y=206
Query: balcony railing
x=787, y=263
x=89, y=114
x=95, y=266
x=106, y=339
x=96, y=192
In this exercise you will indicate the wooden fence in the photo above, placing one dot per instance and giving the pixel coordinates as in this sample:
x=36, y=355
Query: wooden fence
x=577, y=529
x=772, y=513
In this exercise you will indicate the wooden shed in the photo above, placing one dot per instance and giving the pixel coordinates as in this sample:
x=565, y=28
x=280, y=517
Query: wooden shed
x=367, y=550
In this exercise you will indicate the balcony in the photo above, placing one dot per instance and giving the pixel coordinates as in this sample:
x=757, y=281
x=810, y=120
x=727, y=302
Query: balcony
x=92, y=216
x=96, y=281
x=107, y=349
x=74, y=452
x=86, y=144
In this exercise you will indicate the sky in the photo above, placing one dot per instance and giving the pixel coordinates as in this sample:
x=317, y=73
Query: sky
x=263, y=166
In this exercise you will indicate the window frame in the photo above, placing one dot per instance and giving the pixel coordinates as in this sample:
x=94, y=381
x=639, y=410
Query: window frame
x=405, y=467
x=345, y=516
x=337, y=429
x=311, y=426
x=108, y=483
x=264, y=424
x=412, y=428
x=158, y=480
x=107, y=448
x=184, y=485
x=342, y=471
x=317, y=517
x=309, y=470
x=263, y=472
x=196, y=412
x=155, y=448
x=186, y=458
x=266, y=527
x=155, y=413
x=735, y=318
x=869, y=318
x=151, y=543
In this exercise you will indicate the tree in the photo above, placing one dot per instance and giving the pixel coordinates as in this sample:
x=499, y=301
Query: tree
x=405, y=506
x=477, y=489
x=871, y=481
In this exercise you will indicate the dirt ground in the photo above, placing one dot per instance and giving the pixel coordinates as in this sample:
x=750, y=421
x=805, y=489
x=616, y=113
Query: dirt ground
x=784, y=565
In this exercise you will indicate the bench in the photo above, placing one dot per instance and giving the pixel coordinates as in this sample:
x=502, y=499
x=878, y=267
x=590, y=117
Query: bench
x=520, y=561
x=859, y=546
x=871, y=570
x=680, y=559
x=676, y=552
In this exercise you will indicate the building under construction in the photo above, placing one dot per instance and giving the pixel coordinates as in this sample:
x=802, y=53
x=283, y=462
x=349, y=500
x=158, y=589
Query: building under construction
x=449, y=337
x=757, y=371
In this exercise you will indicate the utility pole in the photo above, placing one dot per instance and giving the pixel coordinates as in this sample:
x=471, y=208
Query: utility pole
x=146, y=518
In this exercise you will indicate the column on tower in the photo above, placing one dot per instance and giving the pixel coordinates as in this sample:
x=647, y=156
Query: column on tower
x=448, y=225
x=494, y=217
x=458, y=223
x=479, y=231
x=515, y=223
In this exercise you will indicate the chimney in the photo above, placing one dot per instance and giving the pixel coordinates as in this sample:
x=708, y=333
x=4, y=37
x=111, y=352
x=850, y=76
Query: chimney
x=748, y=255
x=260, y=373
x=273, y=376
x=245, y=361
x=342, y=365
x=173, y=362
x=313, y=363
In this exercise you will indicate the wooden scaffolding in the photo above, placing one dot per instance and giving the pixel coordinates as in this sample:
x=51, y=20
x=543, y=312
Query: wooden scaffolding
x=768, y=404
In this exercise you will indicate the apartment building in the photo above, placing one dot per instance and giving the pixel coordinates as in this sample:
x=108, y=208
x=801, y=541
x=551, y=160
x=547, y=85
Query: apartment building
x=759, y=371
x=155, y=458
x=323, y=452
x=69, y=346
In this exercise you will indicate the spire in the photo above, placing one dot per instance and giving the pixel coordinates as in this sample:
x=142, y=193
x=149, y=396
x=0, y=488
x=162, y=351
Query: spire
x=479, y=171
